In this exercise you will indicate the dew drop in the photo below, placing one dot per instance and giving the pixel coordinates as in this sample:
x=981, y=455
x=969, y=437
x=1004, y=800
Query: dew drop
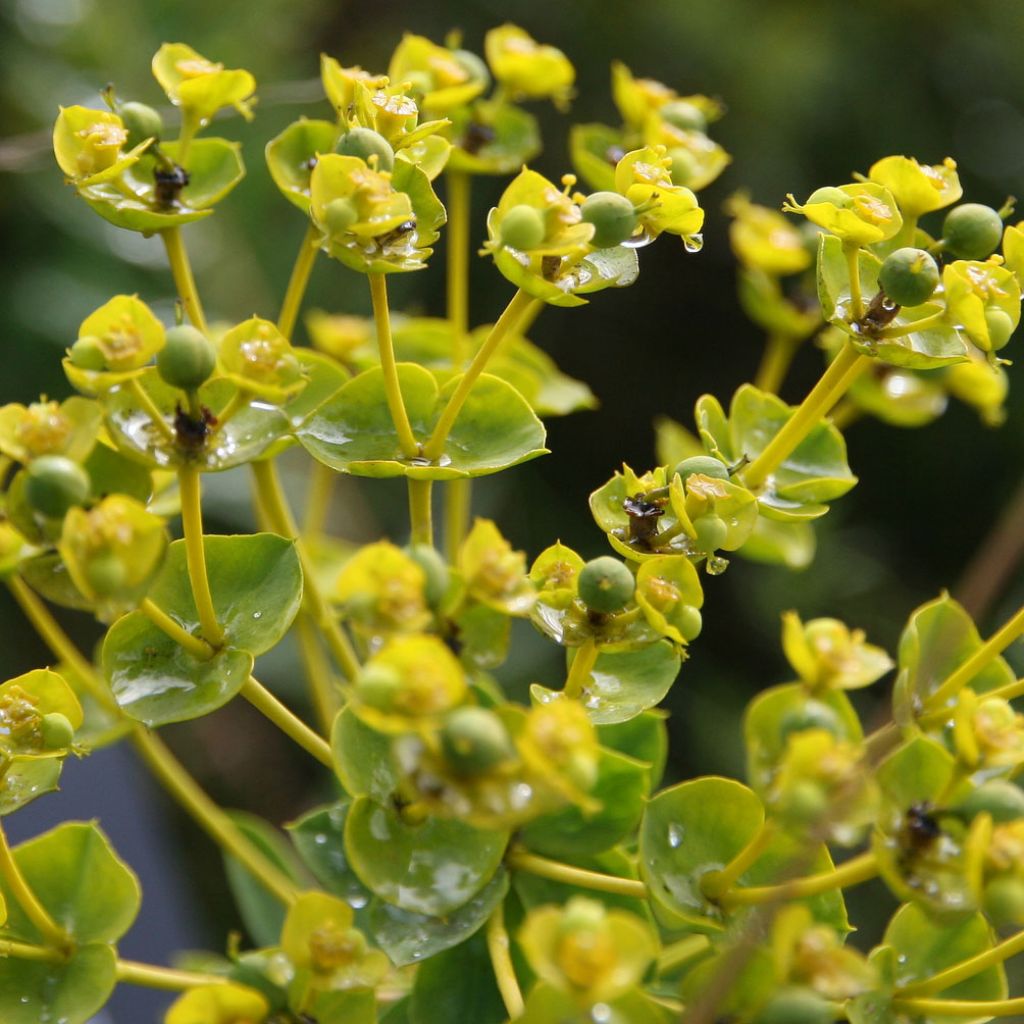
x=320, y=839
x=257, y=615
x=693, y=243
x=675, y=835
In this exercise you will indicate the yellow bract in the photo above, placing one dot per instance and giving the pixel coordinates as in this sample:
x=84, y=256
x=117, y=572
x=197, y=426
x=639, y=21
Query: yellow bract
x=983, y=299
x=493, y=572
x=218, y=1004
x=87, y=144
x=763, y=239
x=1013, y=248
x=987, y=732
x=49, y=428
x=918, y=188
x=257, y=357
x=637, y=98
x=128, y=333
x=379, y=208
x=827, y=654
x=867, y=214
x=644, y=177
x=564, y=231
x=559, y=746
x=384, y=589
x=444, y=82
x=23, y=703
x=527, y=69
x=199, y=86
x=339, y=83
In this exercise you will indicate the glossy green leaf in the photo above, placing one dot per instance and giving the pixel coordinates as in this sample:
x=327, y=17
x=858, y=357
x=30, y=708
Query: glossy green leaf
x=624, y=683
x=49, y=576
x=354, y=433
x=156, y=681
x=595, y=149
x=256, y=583
x=319, y=838
x=75, y=874
x=429, y=868
x=292, y=155
x=111, y=473
x=354, y=1007
x=214, y=167
x=484, y=634
x=71, y=991
x=916, y=772
x=644, y=737
x=27, y=778
x=492, y=138
x=261, y=911
x=457, y=985
x=362, y=758
x=621, y=789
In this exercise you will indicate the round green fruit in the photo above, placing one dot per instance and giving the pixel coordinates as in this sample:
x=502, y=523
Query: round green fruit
x=613, y=217
x=1003, y=900
x=606, y=585
x=366, y=144
x=57, y=731
x=689, y=621
x=187, y=358
x=339, y=215
x=829, y=194
x=523, y=227
x=87, y=354
x=711, y=531
x=1000, y=327
x=796, y=1006
x=972, y=231
x=804, y=803
x=142, y=122
x=705, y=465
x=53, y=484
x=474, y=741
x=378, y=686
x=999, y=797
x=434, y=567
x=683, y=114
x=909, y=276
x=685, y=166
x=105, y=573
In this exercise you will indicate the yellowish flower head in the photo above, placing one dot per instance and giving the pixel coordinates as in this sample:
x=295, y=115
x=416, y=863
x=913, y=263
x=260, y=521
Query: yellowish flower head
x=763, y=239
x=339, y=83
x=88, y=145
x=527, y=69
x=436, y=73
x=199, y=86
x=229, y=1003
x=493, y=572
x=644, y=177
x=828, y=654
x=377, y=208
x=384, y=590
x=983, y=299
x=918, y=188
x=257, y=357
x=861, y=214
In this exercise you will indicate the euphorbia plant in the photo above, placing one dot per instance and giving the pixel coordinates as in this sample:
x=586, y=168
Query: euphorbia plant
x=486, y=860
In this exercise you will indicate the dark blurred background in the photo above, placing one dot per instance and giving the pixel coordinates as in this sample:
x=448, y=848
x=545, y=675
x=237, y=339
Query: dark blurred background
x=814, y=92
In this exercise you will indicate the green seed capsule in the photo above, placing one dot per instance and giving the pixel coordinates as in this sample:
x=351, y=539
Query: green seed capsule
x=972, y=231
x=1003, y=900
x=365, y=143
x=86, y=354
x=142, y=122
x=684, y=115
x=339, y=216
x=106, y=573
x=53, y=484
x=804, y=803
x=474, y=66
x=796, y=1006
x=613, y=217
x=689, y=621
x=187, y=358
x=474, y=741
x=999, y=797
x=685, y=166
x=582, y=915
x=378, y=686
x=711, y=531
x=812, y=715
x=606, y=585
x=1000, y=327
x=705, y=465
x=57, y=731
x=435, y=569
x=523, y=227
x=909, y=276
x=829, y=194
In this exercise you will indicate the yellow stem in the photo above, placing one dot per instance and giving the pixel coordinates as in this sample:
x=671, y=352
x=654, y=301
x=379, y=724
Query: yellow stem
x=778, y=354
x=396, y=403
x=208, y=815
x=834, y=382
x=853, y=872
x=458, y=504
x=19, y=888
x=980, y=659
x=852, y=253
x=318, y=672
x=579, y=671
x=520, y=860
x=195, y=553
x=966, y=969
x=912, y=328
x=715, y=883
x=959, y=1007
x=682, y=952
x=459, y=188
x=318, y=499
x=181, y=270
x=26, y=951
x=155, y=415
x=297, y=283
x=275, y=508
x=195, y=645
x=507, y=322
x=167, y=979
x=292, y=726
x=501, y=961
x=420, y=515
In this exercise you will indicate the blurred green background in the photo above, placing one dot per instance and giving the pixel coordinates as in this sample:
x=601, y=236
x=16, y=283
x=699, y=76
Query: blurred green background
x=814, y=91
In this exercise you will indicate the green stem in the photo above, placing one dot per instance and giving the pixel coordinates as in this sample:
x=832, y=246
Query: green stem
x=152, y=411
x=275, y=508
x=682, y=952
x=292, y=726
x=181, y=270
x=579, y=671
x=507, y=322
x=853, y=872
x=834, y=382
x=396, y=403
x=19, y=888
x=965, y=969
x=852, y=254
x=297, y=283
x=520, y=860
x=458, y=506
x=716, y=883
x=979, y=660
x=912, y=328
x=318, y=673
x=195, y=645
x=959, y=1007
x=318, y=499
x=26, y=951
x=459, y=189
x=420, y=511
x=501, y=960
x=195, y=553
x=130, y=972
x=778, y=355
